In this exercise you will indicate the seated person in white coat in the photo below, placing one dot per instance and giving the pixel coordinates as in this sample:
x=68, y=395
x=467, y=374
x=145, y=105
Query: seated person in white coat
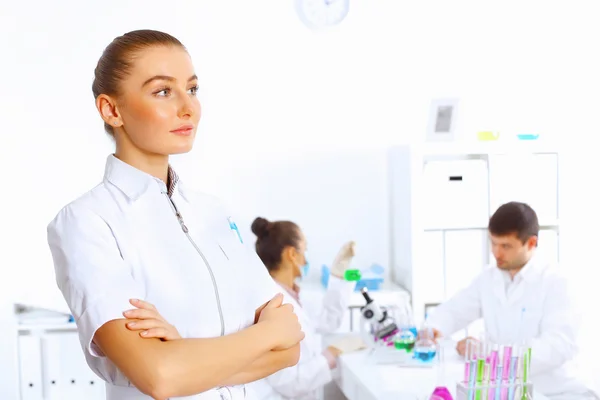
x=522, y=298
x=281, y=246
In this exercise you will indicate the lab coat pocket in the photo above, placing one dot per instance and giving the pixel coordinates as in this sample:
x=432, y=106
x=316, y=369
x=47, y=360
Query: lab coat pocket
x=232, y=251
x=530, y=319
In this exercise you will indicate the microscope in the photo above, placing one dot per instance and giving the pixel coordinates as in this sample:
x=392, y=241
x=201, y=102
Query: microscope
x=382, y=325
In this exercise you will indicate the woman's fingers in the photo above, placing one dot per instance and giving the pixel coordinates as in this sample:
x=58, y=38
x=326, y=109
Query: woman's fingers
x=141, y=313
x=145, y=324
x=160, y=333
x=142, y=304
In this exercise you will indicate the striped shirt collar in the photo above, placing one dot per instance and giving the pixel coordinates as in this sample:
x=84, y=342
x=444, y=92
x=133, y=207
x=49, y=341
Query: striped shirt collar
x=134, y=182
x=172, y=181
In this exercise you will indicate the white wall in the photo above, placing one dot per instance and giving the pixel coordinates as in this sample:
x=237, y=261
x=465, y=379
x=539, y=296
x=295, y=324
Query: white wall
x=273, y=90
x=333, y=196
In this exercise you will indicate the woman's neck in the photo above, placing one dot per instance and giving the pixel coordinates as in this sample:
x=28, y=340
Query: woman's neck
x=284, y=276
x=156, y=165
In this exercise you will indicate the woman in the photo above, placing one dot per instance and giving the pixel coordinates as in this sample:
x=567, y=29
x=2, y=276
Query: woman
x=282, y=246
x=142, y=234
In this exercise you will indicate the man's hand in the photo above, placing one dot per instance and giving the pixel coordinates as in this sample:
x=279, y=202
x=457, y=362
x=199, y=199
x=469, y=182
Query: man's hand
x=431, y=331
x=334, y=351
x=461, y=347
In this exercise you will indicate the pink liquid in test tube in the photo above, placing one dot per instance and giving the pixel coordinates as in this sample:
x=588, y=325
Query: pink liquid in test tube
x=493, y=371
x=506, y=369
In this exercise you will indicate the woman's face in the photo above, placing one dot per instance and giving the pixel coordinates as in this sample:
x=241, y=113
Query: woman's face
x=158, y=111
x=299, y=259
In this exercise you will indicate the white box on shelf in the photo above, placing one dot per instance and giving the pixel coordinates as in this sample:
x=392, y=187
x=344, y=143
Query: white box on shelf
x=528, y=178
x=455, y=194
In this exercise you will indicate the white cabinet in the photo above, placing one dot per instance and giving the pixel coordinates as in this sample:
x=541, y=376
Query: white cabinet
x=432, y=267
x=442, y=196
x=455, y=193
x=465, y=257
x=529, y=178
x=52, y=365
x=548, y=244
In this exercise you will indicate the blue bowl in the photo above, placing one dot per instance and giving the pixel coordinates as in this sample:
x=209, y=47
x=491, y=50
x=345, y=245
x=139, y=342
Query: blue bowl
x=527, y=136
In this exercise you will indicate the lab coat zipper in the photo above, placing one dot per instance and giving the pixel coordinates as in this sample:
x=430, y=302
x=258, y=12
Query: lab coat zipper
x=185, y=230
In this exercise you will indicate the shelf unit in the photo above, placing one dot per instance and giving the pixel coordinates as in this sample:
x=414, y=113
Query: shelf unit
x=49, y=363
x=442, y=196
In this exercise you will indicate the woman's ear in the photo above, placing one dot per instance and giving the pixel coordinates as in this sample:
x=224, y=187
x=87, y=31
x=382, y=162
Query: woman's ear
x=107, y=107
x=289, y=254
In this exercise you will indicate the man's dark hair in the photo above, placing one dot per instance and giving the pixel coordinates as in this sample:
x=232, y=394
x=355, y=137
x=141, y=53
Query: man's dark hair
x=514, y=217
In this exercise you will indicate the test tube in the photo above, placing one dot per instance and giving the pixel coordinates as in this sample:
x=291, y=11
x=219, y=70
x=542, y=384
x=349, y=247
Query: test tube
x=480, y=375
x=498, y=383
x=514, y=364
x=526, y=365
x=486, y=379
x=468, y=356
x=471, y=361
x=493, y=369
x=441, y=364
x=506, y=358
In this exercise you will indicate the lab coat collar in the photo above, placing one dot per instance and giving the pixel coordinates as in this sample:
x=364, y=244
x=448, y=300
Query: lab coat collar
x=292, y=291
x=132, y=181
x=530, y=272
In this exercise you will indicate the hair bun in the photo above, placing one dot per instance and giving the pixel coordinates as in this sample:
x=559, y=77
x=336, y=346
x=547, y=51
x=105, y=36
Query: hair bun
x=260, y=227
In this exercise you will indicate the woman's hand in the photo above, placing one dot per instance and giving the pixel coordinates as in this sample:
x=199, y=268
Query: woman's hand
x=342, y=260
x=146, y=318
x=284, y=323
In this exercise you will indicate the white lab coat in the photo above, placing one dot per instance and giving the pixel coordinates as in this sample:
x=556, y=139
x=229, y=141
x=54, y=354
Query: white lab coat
x=549, y=321
x=303, y=381
x=122, y=240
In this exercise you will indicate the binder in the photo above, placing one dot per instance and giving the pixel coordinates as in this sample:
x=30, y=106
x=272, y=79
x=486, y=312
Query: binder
x=72, y=366
x=51, y=368
x=30, y=370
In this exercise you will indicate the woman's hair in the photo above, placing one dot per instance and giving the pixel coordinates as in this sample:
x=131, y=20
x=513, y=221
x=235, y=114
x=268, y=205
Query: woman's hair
x=117, y=59
x=272, y=238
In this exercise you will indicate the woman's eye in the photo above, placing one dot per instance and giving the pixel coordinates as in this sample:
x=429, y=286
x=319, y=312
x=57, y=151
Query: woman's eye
x=163, y=92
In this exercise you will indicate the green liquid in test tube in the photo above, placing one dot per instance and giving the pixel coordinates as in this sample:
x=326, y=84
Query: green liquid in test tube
x=479, y=378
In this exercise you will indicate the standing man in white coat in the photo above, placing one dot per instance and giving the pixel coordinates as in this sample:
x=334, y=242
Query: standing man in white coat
x=521, y=298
